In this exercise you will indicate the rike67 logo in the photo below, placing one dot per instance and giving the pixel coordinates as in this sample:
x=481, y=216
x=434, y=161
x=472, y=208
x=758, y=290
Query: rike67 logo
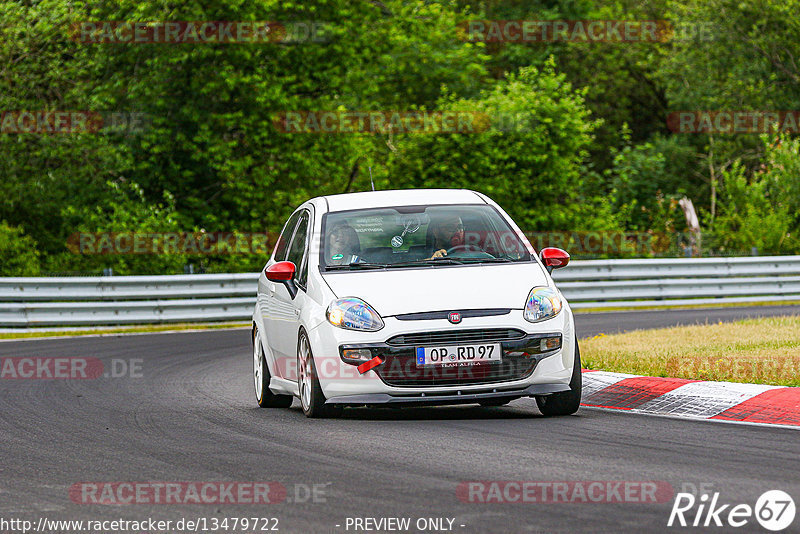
x=774, y=510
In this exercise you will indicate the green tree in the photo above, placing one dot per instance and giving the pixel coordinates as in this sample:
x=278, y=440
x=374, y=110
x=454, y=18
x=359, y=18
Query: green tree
x=529, y=160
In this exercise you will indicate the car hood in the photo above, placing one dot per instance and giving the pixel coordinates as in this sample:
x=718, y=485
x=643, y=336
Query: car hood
x=396, y=291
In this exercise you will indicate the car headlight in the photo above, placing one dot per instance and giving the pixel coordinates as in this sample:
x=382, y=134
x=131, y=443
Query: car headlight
x=543, y=303
x=353, y=314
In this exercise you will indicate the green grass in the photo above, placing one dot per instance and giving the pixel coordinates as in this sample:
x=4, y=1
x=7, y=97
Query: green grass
x=759, y=351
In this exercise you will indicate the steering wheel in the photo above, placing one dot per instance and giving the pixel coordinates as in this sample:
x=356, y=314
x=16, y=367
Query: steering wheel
x=474, y=250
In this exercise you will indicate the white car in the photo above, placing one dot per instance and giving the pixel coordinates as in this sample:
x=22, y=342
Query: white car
x=411, y=297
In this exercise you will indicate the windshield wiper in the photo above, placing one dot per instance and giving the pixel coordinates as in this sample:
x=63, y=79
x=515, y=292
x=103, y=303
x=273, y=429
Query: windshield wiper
x=355, y=266
x=429, y=261
x=487, y=260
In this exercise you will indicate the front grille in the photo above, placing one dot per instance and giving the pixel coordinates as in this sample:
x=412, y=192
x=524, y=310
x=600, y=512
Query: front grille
x=456, y=336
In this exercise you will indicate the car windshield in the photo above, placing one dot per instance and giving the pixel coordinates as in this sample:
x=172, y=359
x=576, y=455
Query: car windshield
x=418, y=236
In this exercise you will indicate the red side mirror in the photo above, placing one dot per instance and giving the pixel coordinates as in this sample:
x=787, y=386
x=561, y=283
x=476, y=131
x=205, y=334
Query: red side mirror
x=554, y=258
x=283, y=271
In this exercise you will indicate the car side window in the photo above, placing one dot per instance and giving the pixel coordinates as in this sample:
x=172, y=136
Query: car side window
x=297, y=249
x=282, y=246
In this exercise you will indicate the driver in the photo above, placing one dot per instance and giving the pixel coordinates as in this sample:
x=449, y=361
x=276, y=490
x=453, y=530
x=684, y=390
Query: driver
x=447, y=233
x=343, y=245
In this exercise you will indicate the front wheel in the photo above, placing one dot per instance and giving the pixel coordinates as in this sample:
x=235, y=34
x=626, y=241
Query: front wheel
x=312, y=400
x=261, y=376
x=567, y=402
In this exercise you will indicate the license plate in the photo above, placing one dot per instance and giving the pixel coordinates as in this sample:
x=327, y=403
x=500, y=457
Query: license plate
x=456, y=356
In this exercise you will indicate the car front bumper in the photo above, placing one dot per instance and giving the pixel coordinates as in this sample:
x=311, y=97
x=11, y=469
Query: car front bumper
x=343, y=384
x=426, y=399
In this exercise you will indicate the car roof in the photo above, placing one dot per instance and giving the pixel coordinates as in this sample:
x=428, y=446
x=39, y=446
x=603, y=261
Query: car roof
x=401, y=197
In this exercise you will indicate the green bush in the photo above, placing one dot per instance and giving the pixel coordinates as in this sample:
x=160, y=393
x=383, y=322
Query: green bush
x=762, y=211
x=18, y=253
x=646, y=178
x=123, y=211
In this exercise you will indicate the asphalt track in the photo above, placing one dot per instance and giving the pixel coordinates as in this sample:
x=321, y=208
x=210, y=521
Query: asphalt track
x=191, y=416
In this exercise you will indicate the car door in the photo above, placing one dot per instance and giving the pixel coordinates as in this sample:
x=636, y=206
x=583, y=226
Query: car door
x=268, y=307
x=284, y=321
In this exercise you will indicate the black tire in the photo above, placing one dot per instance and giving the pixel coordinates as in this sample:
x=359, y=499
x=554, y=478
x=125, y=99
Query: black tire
x=494, y=402
x=567, y=402
x=312, y=400
x=264, y=397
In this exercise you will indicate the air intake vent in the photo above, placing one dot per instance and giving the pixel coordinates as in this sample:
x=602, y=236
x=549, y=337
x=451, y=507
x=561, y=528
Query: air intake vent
x=465, y=314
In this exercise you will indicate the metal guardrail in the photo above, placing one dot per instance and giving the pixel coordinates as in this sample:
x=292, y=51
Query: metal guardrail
x=679, y=282
x=105, y=288
x=109, y=300
x=679, y=268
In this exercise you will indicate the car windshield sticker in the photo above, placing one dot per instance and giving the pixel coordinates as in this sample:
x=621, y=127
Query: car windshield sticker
x=368, y=225
x=337, y=257
x=410, y=225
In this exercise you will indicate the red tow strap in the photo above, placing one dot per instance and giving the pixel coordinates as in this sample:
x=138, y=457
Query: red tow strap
x=366, y=366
